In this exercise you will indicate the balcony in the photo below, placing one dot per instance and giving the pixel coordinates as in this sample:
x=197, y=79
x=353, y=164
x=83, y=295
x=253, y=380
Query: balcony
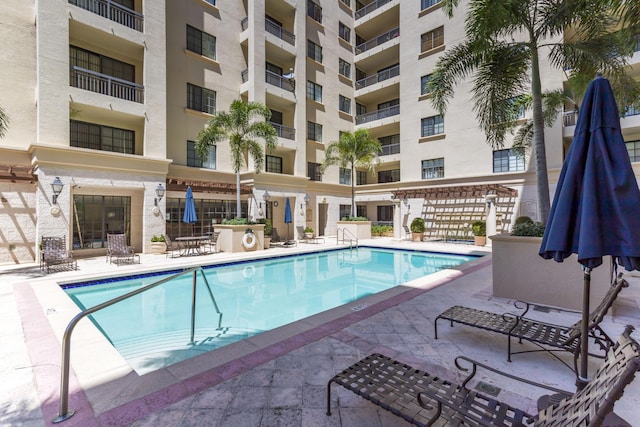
x=244, y=24
x=377, y=41
x=370, y=8
x=377, y=115
x=569, y=118
x=390, y=149
x=283, y=131
x=106, y=85
x=279, y=81
x=631, y=110
x=279, y=32
x=113, y=11
x=378, y=77
x=245, y=75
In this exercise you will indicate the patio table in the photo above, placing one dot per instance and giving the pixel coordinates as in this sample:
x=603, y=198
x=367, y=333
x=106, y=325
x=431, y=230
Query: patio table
x=191, y=244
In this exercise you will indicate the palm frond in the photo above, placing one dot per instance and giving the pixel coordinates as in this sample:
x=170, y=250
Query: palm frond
x=4, y=122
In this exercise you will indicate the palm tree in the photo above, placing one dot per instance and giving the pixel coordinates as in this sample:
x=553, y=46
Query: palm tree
x=357, y=149
x=243, y=125
x=4, y=123
x=502, y=51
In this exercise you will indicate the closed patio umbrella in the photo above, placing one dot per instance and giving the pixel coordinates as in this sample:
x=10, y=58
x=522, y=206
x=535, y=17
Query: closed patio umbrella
x=596, y=207
x=189, y=216
x=287, y=216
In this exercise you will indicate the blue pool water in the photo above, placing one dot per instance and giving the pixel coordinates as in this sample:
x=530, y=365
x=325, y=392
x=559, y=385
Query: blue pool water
x=153, y=329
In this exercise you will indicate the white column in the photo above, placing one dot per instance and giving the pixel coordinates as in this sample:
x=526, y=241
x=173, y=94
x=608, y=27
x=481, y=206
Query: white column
x=490, y=199
x=397, y=220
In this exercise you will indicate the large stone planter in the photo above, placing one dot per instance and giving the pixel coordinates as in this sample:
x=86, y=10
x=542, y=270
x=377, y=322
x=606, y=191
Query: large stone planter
x=359, y=229
x=520, y=273
x=158, y=248
x=230, y=239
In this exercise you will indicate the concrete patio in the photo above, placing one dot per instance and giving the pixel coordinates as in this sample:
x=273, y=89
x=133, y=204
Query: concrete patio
x=279, y=378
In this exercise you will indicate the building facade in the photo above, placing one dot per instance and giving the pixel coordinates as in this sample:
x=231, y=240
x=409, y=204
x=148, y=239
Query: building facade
x=109, y=97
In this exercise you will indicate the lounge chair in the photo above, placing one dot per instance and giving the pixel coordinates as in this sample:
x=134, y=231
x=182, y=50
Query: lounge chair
x=118, y=251
x=422, y=398
x=172, y=246
x=211, y=245
x=54, y=252
x=547, y=336
x=276, y=241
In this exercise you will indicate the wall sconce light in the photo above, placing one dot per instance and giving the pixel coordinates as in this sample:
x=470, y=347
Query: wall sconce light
x=56, y=186
x=159, y=193
x=306, y=199
x=266, y=198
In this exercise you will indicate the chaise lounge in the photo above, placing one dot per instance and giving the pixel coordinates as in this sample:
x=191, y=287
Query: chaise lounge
x=547, y=336
x=55, y=253
x=422, y=398
x=118, y=251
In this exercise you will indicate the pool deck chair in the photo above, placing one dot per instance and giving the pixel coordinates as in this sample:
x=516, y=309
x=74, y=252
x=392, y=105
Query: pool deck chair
x=118, y=251
x=211, y=245
x=173, y=247
x=548, y=337
x=277, y=242
x=55, y=253
x=424, y=399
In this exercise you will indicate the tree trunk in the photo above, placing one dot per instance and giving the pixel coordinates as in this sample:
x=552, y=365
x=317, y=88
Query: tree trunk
x=353, y=191
x=542, y=179
x=238, y=204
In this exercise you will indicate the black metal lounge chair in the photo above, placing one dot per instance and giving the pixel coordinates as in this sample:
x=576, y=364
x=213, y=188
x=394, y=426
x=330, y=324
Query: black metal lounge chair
x=547, y=336
x=276, y=241
x=422, y=398
x=118, y=251
x=54, y=252
x=172, y=246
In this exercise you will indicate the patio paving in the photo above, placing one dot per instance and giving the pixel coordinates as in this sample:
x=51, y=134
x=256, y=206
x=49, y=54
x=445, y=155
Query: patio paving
x=285, y=383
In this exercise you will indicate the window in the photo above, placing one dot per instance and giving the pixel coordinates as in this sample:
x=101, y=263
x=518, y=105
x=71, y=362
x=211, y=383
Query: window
x=347, y=2
x=424, y=4
x=314, y=131
x=344, y=32
x=345, y=211
x=518, y=108
x=633, y=148
x=344, y=68
x=345, y=176
x=98, y=215
x=361, y=211
x=508, y=160
x=432, y=39
x=211, y=2
x=101, y=64
x=389, y=176
x=314, y=171
x=193, y=159
x=273, y=164
x=314, y=91
x=433, y=125
x=345, y=104
x=201, y=99
x=104, y=138
x=314, y=51
x=360, y=109
x=201, y=43
x=424, y=81
x=314, y=11
x=390, y=144
x=361, y=177
x=433, y=168
x=385, y=213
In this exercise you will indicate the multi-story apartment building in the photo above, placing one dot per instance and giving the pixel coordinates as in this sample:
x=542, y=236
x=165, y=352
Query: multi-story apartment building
x=108, y=96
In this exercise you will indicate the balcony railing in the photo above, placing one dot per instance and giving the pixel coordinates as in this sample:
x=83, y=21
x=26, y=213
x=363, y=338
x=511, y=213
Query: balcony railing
x=390, y=149
x=284, y=132
x=377, y=115
x=378, y=77
x=245, y=75
x=383, y=38
x=113, y=11
x=279, y=32
x=370, y=8
x=631, y=110
x=569, y=118
x=277, y=80
x=244, y=24
x=106, y=85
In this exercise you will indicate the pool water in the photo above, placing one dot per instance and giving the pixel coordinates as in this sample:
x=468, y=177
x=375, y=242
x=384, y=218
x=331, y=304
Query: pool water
x=153, y=329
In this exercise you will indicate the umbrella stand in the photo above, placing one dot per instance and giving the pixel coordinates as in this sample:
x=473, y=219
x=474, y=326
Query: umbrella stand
x=582, y=380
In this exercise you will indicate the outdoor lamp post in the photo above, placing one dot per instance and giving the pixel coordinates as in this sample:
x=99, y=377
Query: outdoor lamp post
x=266, y=198
x=56, y=186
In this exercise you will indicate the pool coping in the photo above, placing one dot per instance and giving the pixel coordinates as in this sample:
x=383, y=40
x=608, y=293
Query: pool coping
x=117, y=395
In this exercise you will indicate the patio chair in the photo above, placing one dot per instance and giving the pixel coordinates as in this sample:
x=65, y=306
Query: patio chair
x=172, y=246
x=118, y=251
x=211, y=245
x=547, y=336
x=54, y=252
x=422, y=398
x=276, y=241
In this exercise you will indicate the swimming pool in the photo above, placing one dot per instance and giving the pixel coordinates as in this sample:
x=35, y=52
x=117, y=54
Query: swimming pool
x=153, y=329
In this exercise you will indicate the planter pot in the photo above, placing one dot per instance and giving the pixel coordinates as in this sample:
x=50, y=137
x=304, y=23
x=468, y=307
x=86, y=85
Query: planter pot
x=308, y=235
x=359, y=229
x=520, y=273
x=231, y=237
x=479, y=240
x=158, y=247
x=416, y=237
x=267, y=242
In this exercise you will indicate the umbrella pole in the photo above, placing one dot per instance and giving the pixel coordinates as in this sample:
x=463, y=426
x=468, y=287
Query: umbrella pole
x=583, y=378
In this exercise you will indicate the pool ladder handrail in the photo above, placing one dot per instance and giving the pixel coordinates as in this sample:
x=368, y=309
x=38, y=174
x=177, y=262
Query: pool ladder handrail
x=351, y=237
x=64, y=412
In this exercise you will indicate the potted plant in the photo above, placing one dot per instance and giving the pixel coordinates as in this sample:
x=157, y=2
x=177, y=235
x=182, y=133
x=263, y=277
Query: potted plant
x=308, y=232
x=268, y=227
x=417, y=229
x=479, y=230
x=158, y=245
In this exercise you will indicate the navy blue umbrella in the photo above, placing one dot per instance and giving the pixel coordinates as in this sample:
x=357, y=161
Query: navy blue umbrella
x=287, y=216
x=190, y=215
x=596, y=207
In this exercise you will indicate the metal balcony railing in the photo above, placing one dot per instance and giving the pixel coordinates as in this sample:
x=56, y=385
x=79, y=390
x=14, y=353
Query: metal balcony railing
x=389, y=149
x=279, y=32
x=378, y=77
x=281, y=82
x=370, y=8
x=377, y=41
x=379, y=114
x=569, y=118
x=106, y=85
x=244, y=24
x=245, y=75
x=284, y=131
x=113, y=11
x=631, y=110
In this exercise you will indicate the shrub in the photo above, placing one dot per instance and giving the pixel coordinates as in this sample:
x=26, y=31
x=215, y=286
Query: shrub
x=355, y=218
x=268, y=226
x=157, y=238
x=236, y=221
x=308, y=230
x=479, y=228
x=523, y=220
x=531, y=229
x=380, y=230
x=417, y=225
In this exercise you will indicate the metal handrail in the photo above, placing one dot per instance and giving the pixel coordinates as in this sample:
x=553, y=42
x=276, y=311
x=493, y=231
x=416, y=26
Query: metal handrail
x=94, y=81
x=376, y=41
x=279, y=32
x=370, y=8
x=351, y=237
x=394, y=110
x=378, y=77
x=64, y=412
x=112, y=11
